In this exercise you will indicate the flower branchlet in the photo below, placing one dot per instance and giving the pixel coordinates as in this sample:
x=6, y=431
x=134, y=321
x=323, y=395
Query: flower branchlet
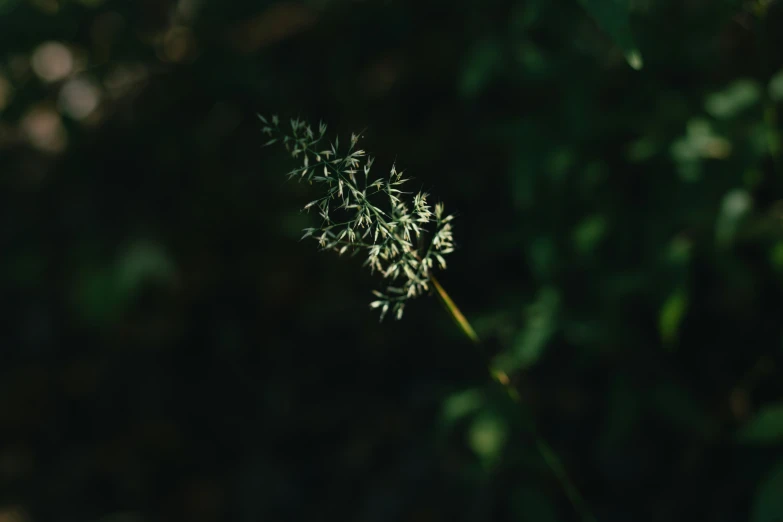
x=402, y=239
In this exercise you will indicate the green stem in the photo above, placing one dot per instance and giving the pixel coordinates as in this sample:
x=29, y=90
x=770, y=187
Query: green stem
x=463, y=323
x=544, y=449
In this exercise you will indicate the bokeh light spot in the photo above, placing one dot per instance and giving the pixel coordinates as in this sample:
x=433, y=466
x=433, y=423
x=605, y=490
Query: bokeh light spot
x=52, y=61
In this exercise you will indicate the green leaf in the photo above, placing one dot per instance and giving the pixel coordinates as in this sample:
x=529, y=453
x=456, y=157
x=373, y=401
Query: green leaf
x=461, y=404
x=775, y=87
x=765, y=428
x=776, y=256
x=613, y=16
x=736, y=205
x=672, y=312
x=768, y=504
x=679, y=251
x=487, y=437
x=734, y=99
x=141, y=262
x=530, y=342
x=588, y=234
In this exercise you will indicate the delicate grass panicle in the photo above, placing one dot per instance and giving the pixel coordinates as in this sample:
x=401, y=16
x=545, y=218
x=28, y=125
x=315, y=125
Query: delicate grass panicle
x=352, y=221
x=402, y=238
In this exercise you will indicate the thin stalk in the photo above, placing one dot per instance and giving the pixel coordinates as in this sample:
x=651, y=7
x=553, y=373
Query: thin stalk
x=463, y=323
x=545, y=450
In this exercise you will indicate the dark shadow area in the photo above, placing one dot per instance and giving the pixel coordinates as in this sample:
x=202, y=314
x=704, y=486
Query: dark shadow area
x=171, y=351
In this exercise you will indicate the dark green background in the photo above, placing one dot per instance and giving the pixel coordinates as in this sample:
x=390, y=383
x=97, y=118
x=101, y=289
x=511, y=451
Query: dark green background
x=171, y=351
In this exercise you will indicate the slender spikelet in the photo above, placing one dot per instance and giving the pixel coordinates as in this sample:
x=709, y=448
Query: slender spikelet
x=399, y=233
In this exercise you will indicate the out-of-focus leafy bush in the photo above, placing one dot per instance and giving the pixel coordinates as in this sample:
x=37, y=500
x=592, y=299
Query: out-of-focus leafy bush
x=171, y=351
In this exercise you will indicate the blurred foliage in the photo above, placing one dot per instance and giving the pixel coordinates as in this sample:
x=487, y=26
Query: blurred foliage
x=170, y=351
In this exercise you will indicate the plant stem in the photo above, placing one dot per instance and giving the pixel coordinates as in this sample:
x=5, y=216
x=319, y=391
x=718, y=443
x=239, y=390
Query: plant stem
x=455, y=312
x=544, y=449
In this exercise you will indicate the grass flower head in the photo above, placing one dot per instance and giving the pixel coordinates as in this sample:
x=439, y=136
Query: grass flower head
x=400, y=234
